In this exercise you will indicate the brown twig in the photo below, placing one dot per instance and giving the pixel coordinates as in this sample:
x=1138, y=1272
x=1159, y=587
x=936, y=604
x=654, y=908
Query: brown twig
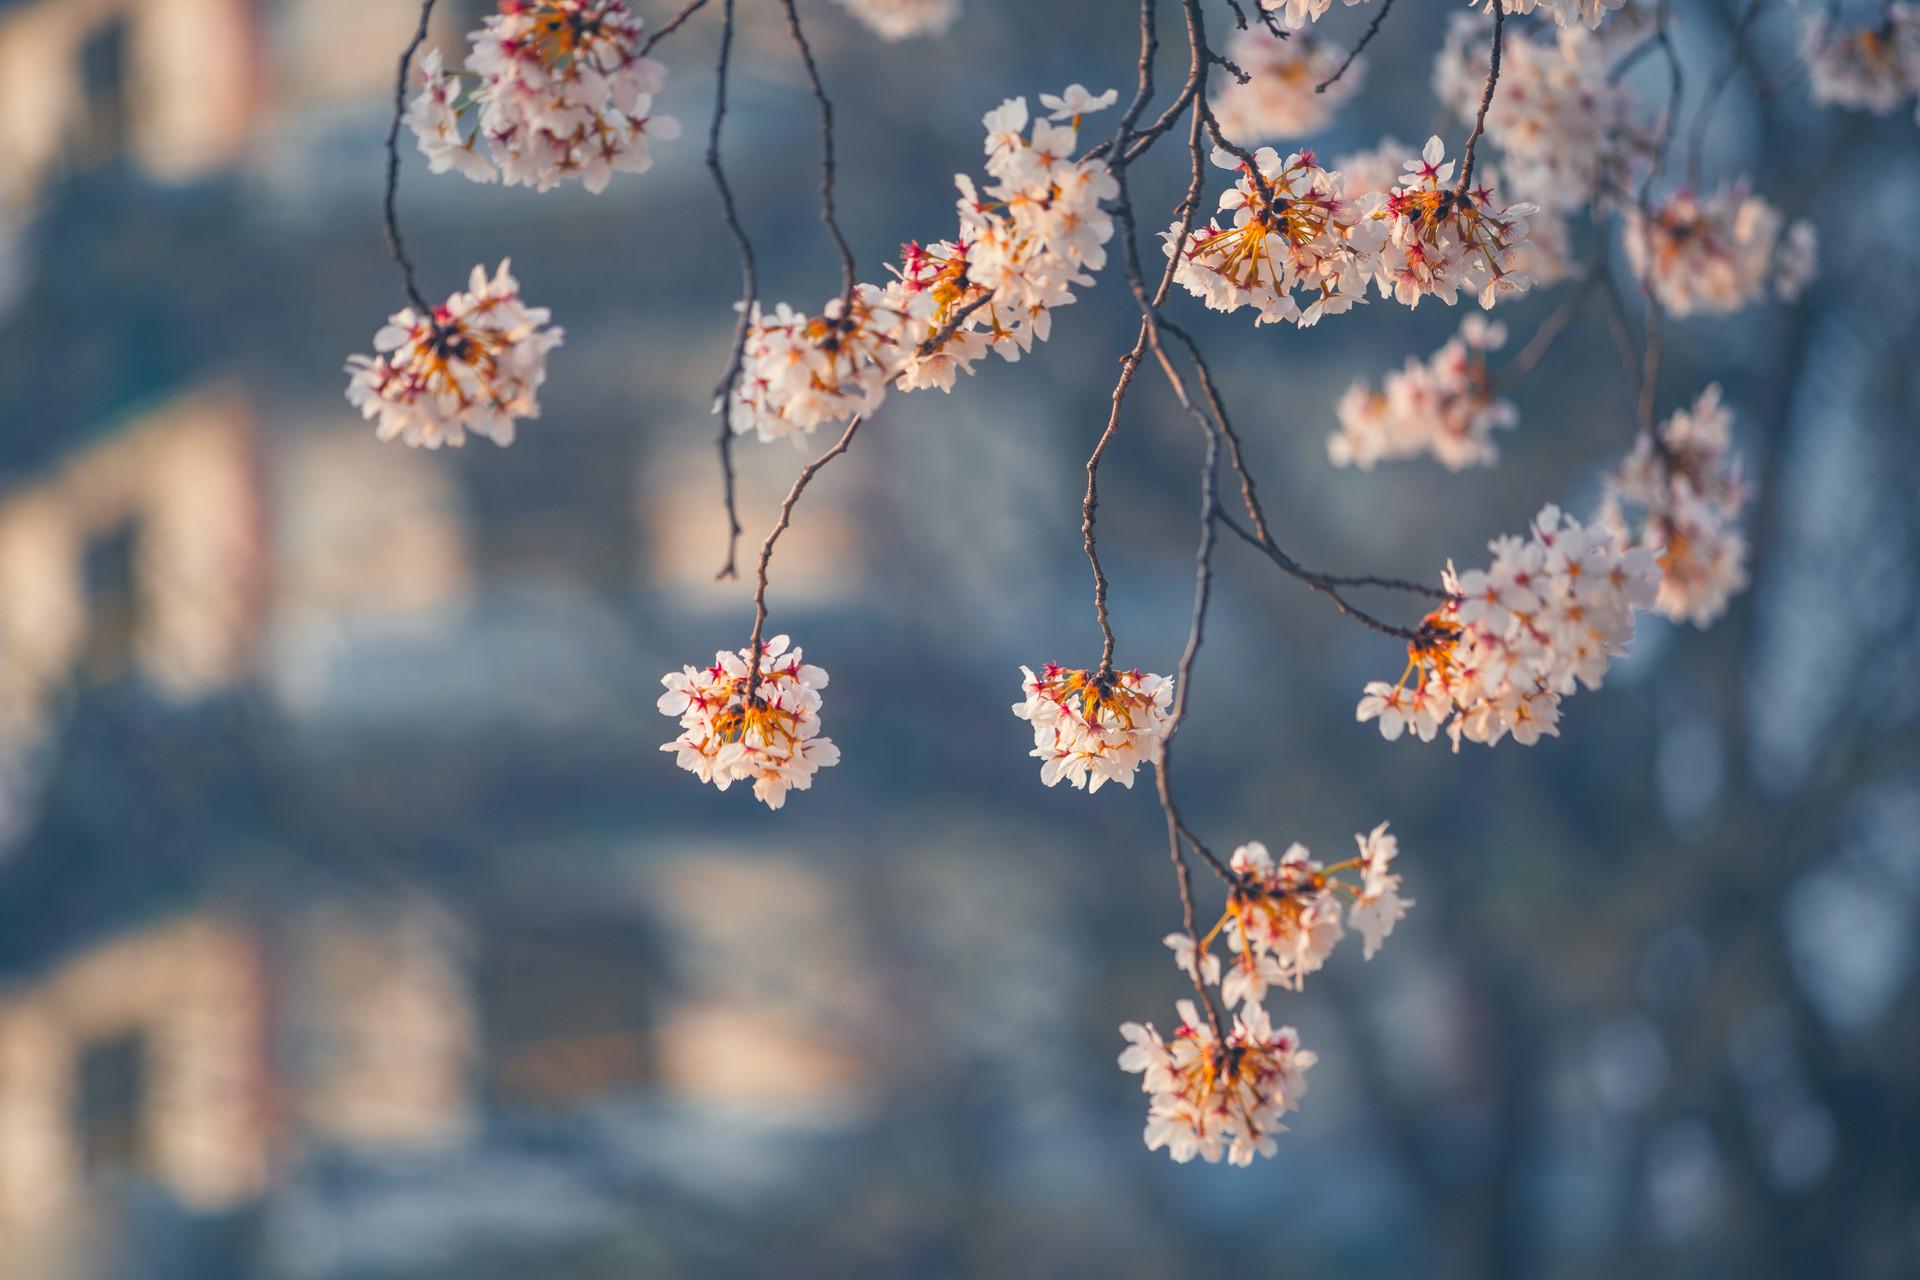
x=1486, y=98
x=827, y=214
x=1366, y=38
x=671, y=25
x=800, y=483
x=749, y=289
x=394, y=243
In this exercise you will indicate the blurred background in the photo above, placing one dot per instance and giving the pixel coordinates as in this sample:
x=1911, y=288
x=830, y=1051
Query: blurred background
x=352, y=925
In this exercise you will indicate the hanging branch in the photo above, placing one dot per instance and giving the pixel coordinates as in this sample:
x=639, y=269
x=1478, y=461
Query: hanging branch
x=1486, y=98
x=827, y=214
x=394, y=244
x=800, y=483
x=749, y=285
x=1366, y=38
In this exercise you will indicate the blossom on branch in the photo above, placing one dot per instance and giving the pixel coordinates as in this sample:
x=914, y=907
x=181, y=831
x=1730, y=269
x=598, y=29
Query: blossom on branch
x=1716, y=253
x=904, y=19
x=735, y=728
x=1876, y=69
x=1548, y=615
x=475, y=364
x=1444, y=238
x=1279, y=98
x=1090, y=727
x=1292, y=231
x=1565, y=128
x=1034, y=234
x=1565, y=12
x=1688, y=494
x=1295, y=14
x=555, y=90
x=1445, y=406
x=1210, y=1098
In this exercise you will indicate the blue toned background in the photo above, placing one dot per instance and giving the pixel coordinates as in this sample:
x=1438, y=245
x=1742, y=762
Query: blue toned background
x=353, y=927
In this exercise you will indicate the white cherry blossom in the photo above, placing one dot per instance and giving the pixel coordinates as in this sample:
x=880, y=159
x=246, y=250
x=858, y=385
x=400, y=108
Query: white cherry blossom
x=768, y=736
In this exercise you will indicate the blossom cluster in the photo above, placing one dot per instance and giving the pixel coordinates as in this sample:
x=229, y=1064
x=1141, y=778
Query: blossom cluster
x=555, y=89
x=1026, y=241
x=1279, y=98
x=1512, y=640
x=1716, y=253
x=1566, y=13
x=750, y=720
x=1564, y=126
x=475, y=364
x=1212, y=1097
x=1292, y=230
x=1295, y=14
x=904, y=19
x=1679, y=494
x=1445, y=406
x=1444, y=238
x=1876, y=69
x=1093, y=727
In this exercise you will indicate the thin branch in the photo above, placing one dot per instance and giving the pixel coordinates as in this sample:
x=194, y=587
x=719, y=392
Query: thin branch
x=800, y=483
x=1703, y=114
x=1366, y=38
x=394, y=244
x=749, y=290
x=1554, y=325
x=827, y=214
x=671, y=25
x=1486, y=97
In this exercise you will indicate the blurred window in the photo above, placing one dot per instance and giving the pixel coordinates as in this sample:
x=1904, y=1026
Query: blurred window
x=107, y=117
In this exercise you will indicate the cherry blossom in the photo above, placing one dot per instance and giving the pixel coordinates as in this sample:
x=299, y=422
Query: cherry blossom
x=1565, y=127
x=1445, y=406
x=1876, y=69
x=1295, y=14
x=1716, y=253
x=1443, y=239
x=904, y=19
x=1279, y=99
x=1294, y=231
x=1210, y=1098
x=1091, y=728
x=1565, y=12
x=556, y=90
x=734, y=728
x=475, y=365
x=1516, y=638
x=1378, y=906
x=1679, y=494
x=1033, y=235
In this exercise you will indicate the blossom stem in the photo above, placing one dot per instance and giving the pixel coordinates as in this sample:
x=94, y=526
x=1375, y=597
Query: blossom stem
x=1486, y=98
x=800, y=483
x=394, y=243
x=1366, y=38
x=749, y=287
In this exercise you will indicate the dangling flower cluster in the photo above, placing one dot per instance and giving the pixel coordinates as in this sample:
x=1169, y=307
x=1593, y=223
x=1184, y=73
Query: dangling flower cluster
x=904, y=19
x=1876, y=69
x=1443, y=239
x=1563, y=126
x=1293, y=230
x=1091, y=728
x=1209, y=1098
x=1718, y=253
x=474, y=365
x=1565, y=12
x=556, y=89
x=1295, y=14
x=1550, y=613
x=1034, y=235
x=1688, y=493
x=1444, y=406
x=1281, y=922
x=769, y=735
x=1278, y=99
